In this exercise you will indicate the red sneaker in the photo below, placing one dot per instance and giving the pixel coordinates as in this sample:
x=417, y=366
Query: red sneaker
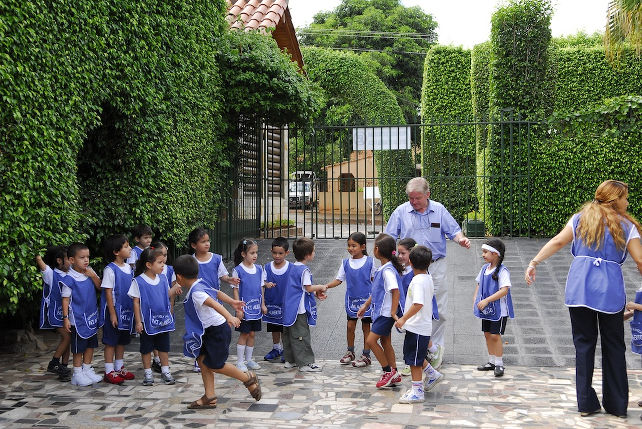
x=385, y=380
x=396, y=379
x=113, y=378
x=125, y=375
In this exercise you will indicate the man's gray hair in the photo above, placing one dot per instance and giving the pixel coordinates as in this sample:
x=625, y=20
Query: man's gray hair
x=417, y=184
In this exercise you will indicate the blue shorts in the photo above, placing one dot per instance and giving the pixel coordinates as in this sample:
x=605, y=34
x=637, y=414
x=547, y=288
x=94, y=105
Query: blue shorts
x=114, y=336
x=495, y=326
x=216, y=345
x=273, y=327
x=149, y=343
x=415, y=348
x=80, y=344
x=248, y=326
x=382, y=326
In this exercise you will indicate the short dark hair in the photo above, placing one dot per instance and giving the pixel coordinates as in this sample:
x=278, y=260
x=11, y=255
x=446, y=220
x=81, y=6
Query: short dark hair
x=281, y=242
x=140, y=230
x=75, y=248
x=420, y=257
x=302, y=247
x=52, y=255
x=113, y=243
x=186, y=266
x=407, y=242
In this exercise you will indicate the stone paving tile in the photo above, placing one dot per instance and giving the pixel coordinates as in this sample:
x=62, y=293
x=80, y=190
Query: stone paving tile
x=338, y=397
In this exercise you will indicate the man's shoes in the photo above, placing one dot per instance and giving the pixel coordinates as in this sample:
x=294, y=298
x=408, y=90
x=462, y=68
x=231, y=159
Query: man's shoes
x=148, y=380
x=486, y=367
x=590, y=413
x=167, y=378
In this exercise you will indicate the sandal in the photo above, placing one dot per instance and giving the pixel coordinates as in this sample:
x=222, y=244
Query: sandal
x=253, y=381
x=206, y=403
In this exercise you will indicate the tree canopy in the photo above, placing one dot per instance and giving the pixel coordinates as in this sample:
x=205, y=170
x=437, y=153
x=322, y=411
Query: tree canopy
x=390, y=38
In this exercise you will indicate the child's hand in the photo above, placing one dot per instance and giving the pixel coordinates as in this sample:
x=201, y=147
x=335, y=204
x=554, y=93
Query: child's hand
x=114, y=320
x=400, y=322
x=234, y=322
x=67, y=325
x=321, y=295
x=239, y=314
x=89, y=272
x=263, y=309
x=628, y=314
x=482, y=304
x=176, y=289
x=238, y=305
x=234, y=281
x=270, y=285
x=630, y=305
x=139, y=327
x=361, y=312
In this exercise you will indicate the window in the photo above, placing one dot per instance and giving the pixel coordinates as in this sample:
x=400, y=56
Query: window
x=346, y=182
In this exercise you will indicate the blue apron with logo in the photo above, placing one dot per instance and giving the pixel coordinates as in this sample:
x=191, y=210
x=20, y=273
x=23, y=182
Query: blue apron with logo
x=154, y=306
x=293, y=293
x=123, y=304
x=193, y=338
x=487, y=287
x=358, y=287
x=275, y=296
x=250, y=292
x=51, y=303
x=83, y=304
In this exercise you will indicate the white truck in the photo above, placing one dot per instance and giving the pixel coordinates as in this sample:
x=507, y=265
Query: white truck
x=302, y=190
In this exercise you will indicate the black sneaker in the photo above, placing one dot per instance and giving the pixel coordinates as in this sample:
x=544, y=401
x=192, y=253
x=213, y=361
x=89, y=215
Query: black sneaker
x=499, y=370
x=64, y=376
x=53, y=367
x=156, y=367
x=486, y=367
x=63, y=370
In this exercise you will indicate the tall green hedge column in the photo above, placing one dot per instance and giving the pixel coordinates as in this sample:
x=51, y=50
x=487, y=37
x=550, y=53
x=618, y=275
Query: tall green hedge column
x=520, y=36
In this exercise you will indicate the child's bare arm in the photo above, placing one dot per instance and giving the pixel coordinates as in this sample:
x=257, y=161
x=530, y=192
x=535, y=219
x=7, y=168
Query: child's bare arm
x=475, y=294
x=364, y=307
x=494, y=297
x=110, y=306
x=40, y=263
x=239, y=312
x=414, y=309
x=233, y=321
x=236, y=304
x=395, y=303
x=65, y=314
x=631, y=305
x=333, y=283
x=315, y=288
x=94, y=277
x=137, y=316
x=628, y=314
x=230, y=280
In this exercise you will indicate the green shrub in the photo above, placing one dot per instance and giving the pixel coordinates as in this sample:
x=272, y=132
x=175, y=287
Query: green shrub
x=448, y=151
x=479, y=88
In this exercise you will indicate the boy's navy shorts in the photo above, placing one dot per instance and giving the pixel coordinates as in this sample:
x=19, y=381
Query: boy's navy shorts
x=216, y=344
x=415, y=348
x=248, y=326
x=272, y=327
x=80, y=344
x=149, y=343
x=114, y=336
x=495, y=326
x=382, y=326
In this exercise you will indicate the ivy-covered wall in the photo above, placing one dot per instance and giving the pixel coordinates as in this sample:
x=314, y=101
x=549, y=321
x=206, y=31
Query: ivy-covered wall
x=448, y=151
x=479, y=87
x=355, y=95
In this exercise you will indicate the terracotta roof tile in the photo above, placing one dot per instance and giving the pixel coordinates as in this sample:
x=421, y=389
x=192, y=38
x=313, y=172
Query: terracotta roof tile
x=255, y=14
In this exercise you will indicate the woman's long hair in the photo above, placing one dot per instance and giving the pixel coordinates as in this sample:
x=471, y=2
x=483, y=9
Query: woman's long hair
x=602, y=212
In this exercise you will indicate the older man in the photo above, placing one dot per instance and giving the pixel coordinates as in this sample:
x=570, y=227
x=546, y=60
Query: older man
x=429, y=223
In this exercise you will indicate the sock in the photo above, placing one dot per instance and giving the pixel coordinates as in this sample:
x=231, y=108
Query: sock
x=351, y=349
x=248, y=353
x=366, y=352
x=165, y=369
x=86, y=367
x=491, y=359
x=77, y=370
x=499, y=361
x=148, y=372
x=240, y=353
x=418, y=387
x=118, y=364
x=433, y=348
x=386, y=368
x=55, y=360
x=278, y=347
x=157, y=359
x=109, y=367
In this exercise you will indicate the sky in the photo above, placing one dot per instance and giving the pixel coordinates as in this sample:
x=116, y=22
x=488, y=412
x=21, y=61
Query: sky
x=467, y=22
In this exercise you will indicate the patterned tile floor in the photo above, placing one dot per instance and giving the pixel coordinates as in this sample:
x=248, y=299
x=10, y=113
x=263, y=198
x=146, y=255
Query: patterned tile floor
x=339, y=396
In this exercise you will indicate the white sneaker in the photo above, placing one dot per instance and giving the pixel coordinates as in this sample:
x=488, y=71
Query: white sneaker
x=411, y=397
x=437, y=357
x=288, y=365
x=81, y=379
x=252, y=365
x=311, y=367
x=89, y=372
x=431, y=382
x=242, y=366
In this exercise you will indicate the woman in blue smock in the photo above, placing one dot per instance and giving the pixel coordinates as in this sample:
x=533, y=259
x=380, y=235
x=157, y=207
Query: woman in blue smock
x=602, y=234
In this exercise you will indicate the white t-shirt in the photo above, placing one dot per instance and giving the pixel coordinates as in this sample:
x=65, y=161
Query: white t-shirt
x=390, y=283
x=47, y=275
x=249, y=270
x=279, y=271
x=133, y=257
x=420, y=291
x=306, y=280
x=134, y=291
x=109, y=277
x=66, y=291
x=355, y=264
x=504, y=281
x=207, y=315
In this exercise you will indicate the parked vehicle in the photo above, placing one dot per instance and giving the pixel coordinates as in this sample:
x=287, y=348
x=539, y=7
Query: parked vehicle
x=302, y=192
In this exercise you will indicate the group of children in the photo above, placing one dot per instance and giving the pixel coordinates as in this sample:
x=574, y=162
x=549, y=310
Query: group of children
x=138, y=290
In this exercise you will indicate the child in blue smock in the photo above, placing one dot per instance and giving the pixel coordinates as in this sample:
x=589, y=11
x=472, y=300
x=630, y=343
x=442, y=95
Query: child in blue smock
x=143, y=238
x=276, y=273
x=250, y=290
x=493, y=304
x=53, y=268
x=116, y=308
x=80, y=313
x=208, y=334
x=152, y=297
x=210, y=265
x=357, y=271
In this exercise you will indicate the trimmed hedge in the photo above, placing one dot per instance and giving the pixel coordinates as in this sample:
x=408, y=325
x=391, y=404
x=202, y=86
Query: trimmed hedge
x=357, y=96
x=448, y=151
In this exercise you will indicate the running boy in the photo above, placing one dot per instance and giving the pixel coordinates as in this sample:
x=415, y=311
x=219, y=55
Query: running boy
x=208, y=334
x=80, y=313
x=300, y=309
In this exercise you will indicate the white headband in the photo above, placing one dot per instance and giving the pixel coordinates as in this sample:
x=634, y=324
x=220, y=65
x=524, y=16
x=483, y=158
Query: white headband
x=490, y=249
